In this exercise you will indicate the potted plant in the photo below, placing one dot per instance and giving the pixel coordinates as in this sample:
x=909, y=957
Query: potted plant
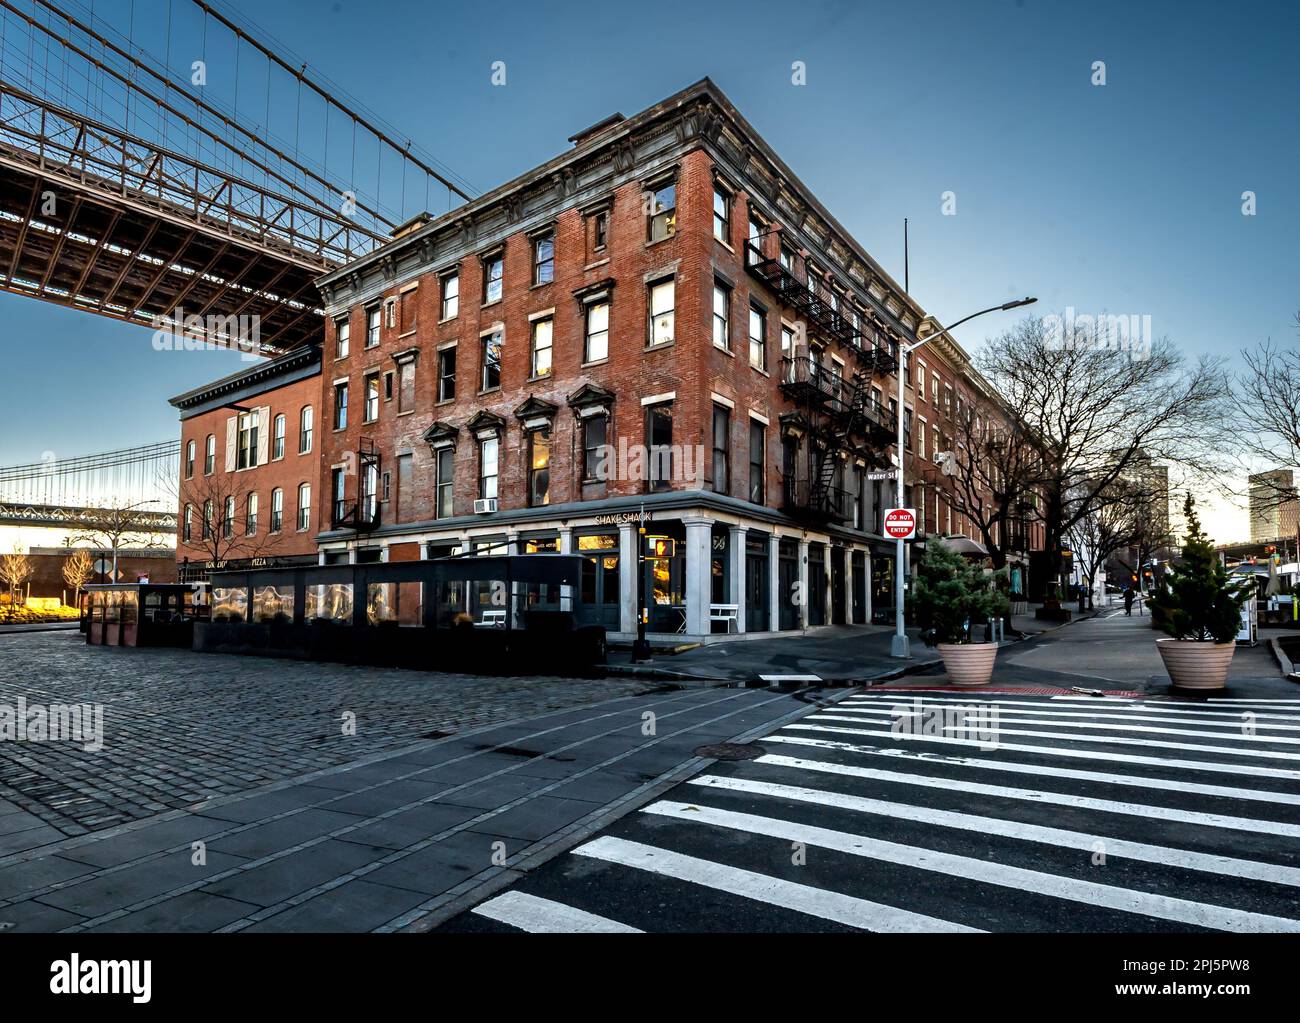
x=950, y=596
x=1199, y=606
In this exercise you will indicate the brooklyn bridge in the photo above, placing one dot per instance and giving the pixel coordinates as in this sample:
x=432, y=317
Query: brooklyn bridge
x=167, y=164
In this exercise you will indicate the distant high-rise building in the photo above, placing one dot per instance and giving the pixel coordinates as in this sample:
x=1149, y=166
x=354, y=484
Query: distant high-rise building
x=1274, y=507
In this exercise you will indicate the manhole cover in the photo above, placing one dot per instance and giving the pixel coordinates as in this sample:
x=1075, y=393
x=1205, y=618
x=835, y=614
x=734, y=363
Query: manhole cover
x=731, y=751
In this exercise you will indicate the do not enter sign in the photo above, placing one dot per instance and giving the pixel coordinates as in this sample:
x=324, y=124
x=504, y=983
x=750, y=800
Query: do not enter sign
x=900, y=523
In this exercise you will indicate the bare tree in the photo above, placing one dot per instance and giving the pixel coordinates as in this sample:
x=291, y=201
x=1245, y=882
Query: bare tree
x=222, y=519
x=1269, y=425
x=119, y=524
x=15, y=569
x=77, y=570
x=1100, y=412
x=990, y=476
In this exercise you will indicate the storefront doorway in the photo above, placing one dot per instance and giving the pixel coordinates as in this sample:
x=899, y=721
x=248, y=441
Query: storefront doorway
x=756, y=583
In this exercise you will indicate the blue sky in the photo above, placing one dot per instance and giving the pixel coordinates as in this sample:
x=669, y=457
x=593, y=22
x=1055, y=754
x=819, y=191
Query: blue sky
x=1123, y=198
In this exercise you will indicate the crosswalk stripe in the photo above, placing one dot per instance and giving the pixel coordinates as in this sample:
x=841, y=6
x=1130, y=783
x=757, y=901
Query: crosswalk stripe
x=832, y=714
x=1234, y=700
x=1208, y=820
x=818, y=902
x=542, y=916
x=1012, y=767
x=1077, y=840
x=1118, y=740
x=967, y=868
x=1063, y=751
x=1104, y=708
x=1136, y=713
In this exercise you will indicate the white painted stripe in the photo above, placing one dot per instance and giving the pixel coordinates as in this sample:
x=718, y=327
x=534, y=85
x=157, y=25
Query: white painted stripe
x=1063, y=751
x=1280, y=703
x=1116, y=740
x=967, y=868
x=790, y=678
x=1165, y=856
x=542, y=916
x=773, y=891
x=1004, y=718
x=1131, y=712
x=1164, y=813
x=1116, y=710
x=1038, y=771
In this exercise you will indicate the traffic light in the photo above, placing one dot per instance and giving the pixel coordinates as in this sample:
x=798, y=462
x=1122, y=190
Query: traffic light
x=660, y=547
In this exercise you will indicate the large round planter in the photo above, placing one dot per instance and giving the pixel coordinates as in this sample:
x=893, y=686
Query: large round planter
x=968, y=664
x=1196, y=663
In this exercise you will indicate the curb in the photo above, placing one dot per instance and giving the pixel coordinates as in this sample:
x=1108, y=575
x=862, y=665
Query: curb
x=1284, y=662
x=887, y=675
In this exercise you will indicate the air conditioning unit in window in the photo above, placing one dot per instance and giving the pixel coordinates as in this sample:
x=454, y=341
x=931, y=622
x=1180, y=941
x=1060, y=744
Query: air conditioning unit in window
x=485, y=505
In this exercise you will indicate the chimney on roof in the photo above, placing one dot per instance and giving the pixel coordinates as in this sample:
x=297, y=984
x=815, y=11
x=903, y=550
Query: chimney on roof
x=599, y=128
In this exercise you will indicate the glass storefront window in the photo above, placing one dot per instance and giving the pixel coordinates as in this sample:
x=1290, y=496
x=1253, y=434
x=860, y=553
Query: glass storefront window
x=381, y=603
x=130, y=604
x=273, y=604
x=329, y=602
x=229, y=604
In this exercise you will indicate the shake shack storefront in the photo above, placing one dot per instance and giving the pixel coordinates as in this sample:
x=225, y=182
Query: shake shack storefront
x=707, y=567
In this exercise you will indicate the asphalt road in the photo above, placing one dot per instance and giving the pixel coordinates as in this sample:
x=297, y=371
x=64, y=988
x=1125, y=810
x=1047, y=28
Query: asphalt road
x=1041, y=813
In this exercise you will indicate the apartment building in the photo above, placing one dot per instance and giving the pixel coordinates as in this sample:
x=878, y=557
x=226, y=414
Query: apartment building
x=659, y=330
x=250, y=466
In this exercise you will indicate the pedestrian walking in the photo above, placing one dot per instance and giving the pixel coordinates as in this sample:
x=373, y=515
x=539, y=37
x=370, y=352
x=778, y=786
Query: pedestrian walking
x=1128, y=601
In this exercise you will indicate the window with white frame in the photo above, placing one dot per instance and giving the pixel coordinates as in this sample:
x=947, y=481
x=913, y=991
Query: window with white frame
x=662, y=311
x=596, y=344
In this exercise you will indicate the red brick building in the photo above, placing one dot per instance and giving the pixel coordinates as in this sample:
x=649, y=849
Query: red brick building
x=250, y=466
x=662, y=321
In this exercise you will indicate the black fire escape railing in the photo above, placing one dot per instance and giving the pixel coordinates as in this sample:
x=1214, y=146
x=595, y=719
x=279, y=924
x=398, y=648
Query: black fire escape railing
x=871, y=347
x=361, y=514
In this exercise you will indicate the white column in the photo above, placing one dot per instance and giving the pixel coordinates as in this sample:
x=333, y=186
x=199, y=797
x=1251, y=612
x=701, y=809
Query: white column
x=699, y=574
x=774, y=583
x=627, y=580
x=849, y=614
x=737, y=539
x=866, y=584
x=805, y=597
x=566, y=547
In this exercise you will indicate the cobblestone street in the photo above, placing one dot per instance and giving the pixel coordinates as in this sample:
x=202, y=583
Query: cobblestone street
x=181, y=727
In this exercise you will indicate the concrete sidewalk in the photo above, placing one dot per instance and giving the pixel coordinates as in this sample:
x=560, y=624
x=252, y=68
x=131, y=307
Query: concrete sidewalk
x=397, y=841
x=838, y=653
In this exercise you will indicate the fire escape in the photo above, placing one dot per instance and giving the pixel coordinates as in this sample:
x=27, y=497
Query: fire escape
x=839, y=414
x=362, y=514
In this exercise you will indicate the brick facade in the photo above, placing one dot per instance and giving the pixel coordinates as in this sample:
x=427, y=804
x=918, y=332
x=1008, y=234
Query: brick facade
x=605, y=189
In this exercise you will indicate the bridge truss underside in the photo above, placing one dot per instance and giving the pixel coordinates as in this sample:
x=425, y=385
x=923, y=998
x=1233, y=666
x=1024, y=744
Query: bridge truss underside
x=99, y=221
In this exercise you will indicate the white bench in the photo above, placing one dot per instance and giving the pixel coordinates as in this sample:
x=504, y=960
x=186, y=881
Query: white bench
x=729, y=613
x=493, y=620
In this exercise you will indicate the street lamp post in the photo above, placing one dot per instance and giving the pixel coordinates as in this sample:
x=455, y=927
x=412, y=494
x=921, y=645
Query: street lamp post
x=900, y=646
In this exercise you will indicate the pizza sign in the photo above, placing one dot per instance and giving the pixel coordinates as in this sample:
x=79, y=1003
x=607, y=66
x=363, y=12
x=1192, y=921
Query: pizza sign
x=900, y=523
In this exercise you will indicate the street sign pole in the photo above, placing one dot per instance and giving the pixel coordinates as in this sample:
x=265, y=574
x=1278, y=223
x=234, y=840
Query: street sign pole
x=641, y=648
x=900, y=647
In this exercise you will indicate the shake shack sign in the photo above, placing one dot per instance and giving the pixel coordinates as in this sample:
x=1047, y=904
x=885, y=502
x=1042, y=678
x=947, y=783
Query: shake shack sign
x=619, y=518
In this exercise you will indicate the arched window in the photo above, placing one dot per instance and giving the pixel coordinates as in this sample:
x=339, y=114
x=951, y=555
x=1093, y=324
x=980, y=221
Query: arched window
x=277, y=437
x=210, y=455
x=189, y=517
x=189, y=460
x=277, y=508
